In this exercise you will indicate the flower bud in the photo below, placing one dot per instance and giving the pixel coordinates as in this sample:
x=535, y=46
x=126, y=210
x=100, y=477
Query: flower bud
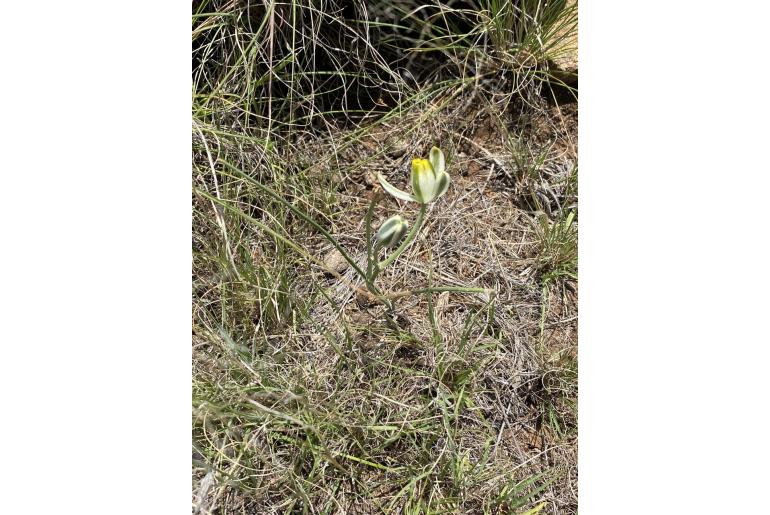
x=392, y=231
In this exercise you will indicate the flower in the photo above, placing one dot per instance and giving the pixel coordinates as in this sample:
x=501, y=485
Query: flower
x=392, y=231
x=429, y=179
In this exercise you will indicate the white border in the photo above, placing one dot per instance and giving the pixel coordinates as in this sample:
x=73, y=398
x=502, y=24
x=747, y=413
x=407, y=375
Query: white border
x=95, y=371
x=96, y=210
x=673, y=247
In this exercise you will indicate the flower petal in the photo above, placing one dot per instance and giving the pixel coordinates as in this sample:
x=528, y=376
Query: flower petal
x=423, y=180
x=442, y=184
x=437, y=160
x=395, y=191
x=414, y=179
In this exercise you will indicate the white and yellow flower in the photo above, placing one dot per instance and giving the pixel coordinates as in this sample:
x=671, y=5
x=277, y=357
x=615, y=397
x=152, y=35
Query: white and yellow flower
x=429, y=179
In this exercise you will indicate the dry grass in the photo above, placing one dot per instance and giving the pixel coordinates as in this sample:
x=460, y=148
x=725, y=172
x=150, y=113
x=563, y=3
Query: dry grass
x=305, y=398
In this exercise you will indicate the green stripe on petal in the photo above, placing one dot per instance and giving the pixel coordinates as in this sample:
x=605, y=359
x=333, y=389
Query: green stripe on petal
x=442, y=184
x=395, y=191
x=437, y=160
x=390, y=224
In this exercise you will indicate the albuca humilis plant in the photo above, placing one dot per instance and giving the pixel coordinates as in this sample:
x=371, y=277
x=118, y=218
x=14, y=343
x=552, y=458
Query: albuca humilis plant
x=429, y=181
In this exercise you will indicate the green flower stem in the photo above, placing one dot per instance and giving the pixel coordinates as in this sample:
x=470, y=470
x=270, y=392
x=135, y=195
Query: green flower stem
x=371, y=272
x=369, y=250
x=401, y=248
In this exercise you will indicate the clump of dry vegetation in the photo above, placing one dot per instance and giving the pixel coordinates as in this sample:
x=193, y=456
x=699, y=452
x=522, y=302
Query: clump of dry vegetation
x=308, y=397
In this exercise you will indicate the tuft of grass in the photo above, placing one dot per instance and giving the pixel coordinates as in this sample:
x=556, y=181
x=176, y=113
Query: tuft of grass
x=536, y=29
x=512, y=42
x=558, y=246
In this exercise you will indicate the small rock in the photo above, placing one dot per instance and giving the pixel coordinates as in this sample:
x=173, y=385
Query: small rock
x=360, y=318
x=335, y=261
x=364, y=299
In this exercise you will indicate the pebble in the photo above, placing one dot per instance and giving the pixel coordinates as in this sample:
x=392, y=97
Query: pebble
x=335, y=261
